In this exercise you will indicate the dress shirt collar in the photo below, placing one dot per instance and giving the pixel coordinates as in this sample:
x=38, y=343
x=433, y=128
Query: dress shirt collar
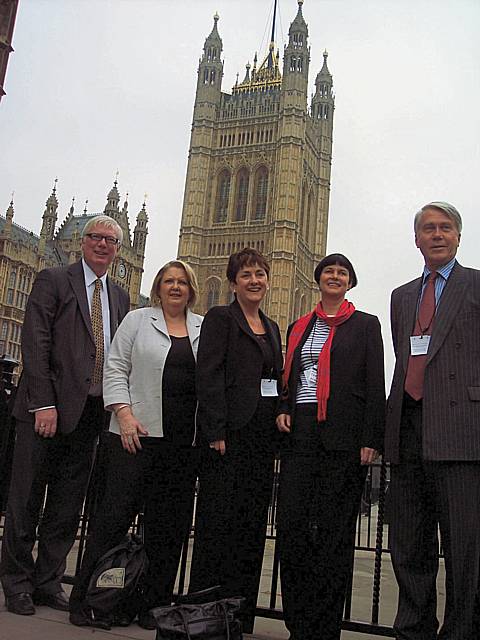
x=91, y=276
x=444, y=271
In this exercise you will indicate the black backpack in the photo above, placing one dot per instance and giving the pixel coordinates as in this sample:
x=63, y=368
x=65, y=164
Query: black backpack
x=117, y=578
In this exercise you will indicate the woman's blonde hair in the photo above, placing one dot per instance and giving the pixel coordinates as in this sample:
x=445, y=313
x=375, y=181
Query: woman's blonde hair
x=191, y=279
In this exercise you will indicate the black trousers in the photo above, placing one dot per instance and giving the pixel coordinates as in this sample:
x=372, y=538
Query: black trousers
x=232, y=511
x=63, y=465
x=318, y=504
x=160, y=479
x=424, y=496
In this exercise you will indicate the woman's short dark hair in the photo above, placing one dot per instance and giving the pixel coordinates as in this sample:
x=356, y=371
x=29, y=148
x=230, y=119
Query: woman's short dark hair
x=340, y=259
x=246, y=257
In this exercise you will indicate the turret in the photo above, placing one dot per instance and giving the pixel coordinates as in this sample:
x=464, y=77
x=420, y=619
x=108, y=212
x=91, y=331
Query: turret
x=323, y=100
x=140, y=232
x=113, y=200
x=297, y=56
x=210, y=73
x=50, y=215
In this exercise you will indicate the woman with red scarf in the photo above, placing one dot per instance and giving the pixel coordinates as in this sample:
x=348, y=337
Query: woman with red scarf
x=332, y=410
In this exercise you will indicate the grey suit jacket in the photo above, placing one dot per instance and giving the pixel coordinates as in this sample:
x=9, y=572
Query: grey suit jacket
x=58, y=346
x=451, y=402
x=134, y=368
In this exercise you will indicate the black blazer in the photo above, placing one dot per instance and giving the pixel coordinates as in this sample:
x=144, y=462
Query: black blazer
x=451, y=400
x=229, y=370
x=356, y=406
x=58, y=346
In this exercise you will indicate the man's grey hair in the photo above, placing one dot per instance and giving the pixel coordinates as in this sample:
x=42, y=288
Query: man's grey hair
x=448, y=209
x=105, y=221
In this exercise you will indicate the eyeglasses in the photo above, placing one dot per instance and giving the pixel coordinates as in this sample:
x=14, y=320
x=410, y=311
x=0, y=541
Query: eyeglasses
x=97, y=237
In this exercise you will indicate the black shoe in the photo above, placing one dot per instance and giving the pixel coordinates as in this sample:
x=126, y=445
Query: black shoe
x=147, y=621
x=57, y=600
x=87, y=619
x=21, y=604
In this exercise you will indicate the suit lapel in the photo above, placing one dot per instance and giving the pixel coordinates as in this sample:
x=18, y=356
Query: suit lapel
x=239, y=317
x=408, y=312
x=449, y=305
x=113, y=303
x=77, y=282
x=158, y=321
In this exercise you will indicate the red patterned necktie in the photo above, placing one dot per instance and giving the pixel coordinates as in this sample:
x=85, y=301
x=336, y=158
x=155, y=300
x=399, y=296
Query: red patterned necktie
x=423, y=326
x=97, y=326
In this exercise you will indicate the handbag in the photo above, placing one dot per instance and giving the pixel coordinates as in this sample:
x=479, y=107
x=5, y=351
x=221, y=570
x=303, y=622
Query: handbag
x=214, y=620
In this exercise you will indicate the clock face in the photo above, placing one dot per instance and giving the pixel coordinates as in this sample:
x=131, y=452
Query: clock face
x=122, y=270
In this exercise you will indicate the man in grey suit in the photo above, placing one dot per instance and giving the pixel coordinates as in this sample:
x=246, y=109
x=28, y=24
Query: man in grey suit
x=71, y=316
x=433, y=434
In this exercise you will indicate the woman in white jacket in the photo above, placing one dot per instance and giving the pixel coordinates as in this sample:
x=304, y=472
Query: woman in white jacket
x=149, y=385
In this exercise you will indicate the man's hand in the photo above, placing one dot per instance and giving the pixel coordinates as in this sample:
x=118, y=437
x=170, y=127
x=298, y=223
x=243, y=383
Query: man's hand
x=218, y=445
x=367, y=455
x=284, y=422
x=46, y=422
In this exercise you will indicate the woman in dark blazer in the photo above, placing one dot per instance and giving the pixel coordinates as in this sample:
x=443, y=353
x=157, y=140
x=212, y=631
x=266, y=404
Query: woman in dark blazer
x=332, y=409
x=238, y=375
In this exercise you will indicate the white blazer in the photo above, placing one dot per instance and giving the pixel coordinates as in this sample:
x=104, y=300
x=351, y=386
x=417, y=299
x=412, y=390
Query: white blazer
x=134, y=368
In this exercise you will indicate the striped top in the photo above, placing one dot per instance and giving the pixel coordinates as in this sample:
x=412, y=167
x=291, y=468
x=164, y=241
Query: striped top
x=307, y=385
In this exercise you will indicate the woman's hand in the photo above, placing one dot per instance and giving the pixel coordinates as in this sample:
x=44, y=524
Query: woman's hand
x=218, y=445
x=367, y=455
x=130, y=430
x=284, y=422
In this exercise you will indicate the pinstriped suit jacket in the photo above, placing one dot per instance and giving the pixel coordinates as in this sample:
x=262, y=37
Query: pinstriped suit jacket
x=451, y=402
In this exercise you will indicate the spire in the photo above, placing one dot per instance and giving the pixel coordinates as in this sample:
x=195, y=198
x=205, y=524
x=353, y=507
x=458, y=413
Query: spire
x=7, y=230
x=72, y=208
x=324, y=71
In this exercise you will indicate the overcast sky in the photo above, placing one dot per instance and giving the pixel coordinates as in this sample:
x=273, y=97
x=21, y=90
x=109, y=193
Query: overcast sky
x=99, y=85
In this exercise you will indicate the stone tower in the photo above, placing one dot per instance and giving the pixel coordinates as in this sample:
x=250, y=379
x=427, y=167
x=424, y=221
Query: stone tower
x=259, y=172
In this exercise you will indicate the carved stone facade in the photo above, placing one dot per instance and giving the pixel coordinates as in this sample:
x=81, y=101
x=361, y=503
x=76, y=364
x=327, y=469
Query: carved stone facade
x=259, y=173
x=23, y=254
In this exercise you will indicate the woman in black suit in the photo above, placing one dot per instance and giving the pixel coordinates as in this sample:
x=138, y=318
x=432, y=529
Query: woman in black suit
x=238, y=376
x=332, y=409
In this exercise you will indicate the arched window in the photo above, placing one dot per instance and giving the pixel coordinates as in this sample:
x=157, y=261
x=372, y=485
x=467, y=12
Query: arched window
x=241, y=195
x=260, y=193
x=223, y=192
x=206, y=75
x=212, y=76
x=213, y=292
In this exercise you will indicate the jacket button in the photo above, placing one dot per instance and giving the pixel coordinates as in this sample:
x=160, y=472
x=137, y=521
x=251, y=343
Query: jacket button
x=453, y=403
x=458, y=345
x=88, y=379
x=452, y=376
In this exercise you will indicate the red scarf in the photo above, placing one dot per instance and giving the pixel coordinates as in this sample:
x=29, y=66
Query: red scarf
x=323, y=373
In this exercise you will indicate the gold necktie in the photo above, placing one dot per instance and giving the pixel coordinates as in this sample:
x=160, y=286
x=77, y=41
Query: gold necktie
x=97, y=326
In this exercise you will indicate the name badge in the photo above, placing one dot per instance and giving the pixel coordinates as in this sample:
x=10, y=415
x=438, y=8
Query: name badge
x=419, y=345
x=311, y=376
x=268, y=388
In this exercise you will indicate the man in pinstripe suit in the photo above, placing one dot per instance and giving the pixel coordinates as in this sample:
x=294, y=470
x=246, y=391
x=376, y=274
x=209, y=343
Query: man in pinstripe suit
x=433, y=434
